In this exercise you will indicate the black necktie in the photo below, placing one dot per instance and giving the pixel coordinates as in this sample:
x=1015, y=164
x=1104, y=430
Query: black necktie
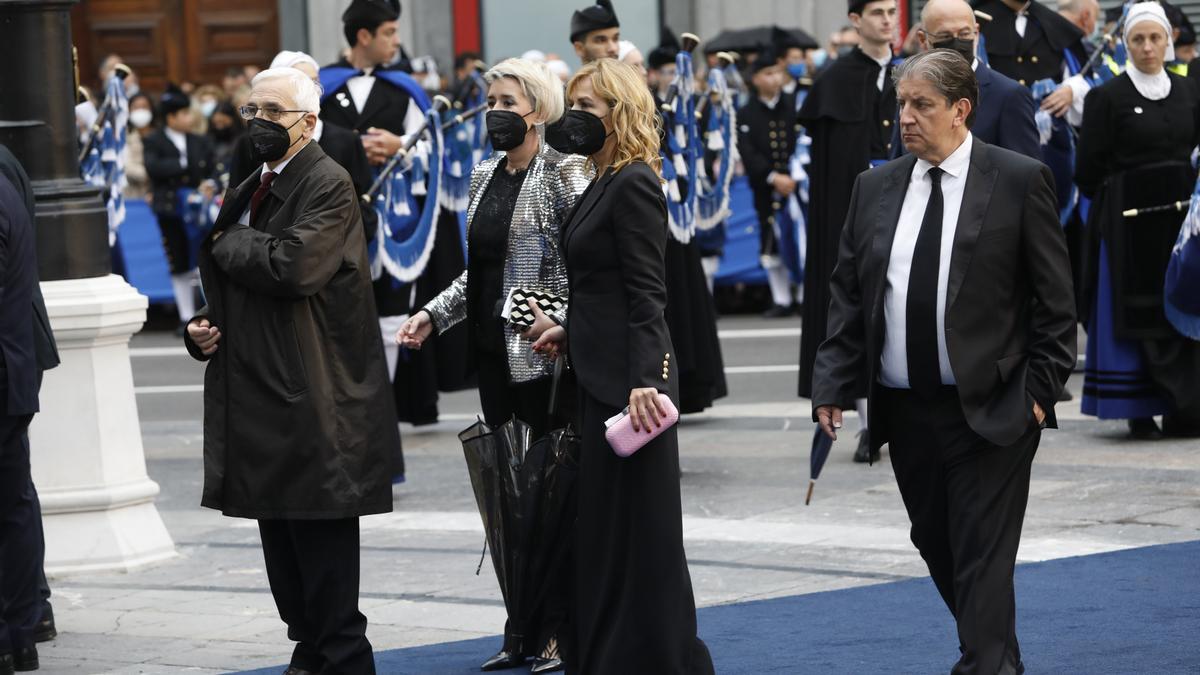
x=924, y=371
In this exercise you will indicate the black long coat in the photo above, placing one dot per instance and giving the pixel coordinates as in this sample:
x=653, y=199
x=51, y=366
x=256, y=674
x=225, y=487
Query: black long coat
x=296, y=424
x=850, y=122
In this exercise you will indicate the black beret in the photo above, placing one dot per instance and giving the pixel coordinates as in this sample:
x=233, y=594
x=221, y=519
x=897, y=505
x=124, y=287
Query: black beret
x=371, y=12
x=666, y=51
x=766, y=58
x=173, y=100
x=597, y=17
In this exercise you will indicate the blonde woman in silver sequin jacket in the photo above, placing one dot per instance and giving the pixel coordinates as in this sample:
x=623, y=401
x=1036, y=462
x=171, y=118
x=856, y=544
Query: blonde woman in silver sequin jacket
x=519, y=200
x=535, y=186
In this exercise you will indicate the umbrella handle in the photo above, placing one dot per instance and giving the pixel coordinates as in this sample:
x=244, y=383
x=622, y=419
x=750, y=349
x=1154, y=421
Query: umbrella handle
x=807, y=499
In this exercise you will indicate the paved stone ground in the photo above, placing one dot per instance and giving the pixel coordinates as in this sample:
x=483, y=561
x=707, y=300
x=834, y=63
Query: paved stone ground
x=748, y=533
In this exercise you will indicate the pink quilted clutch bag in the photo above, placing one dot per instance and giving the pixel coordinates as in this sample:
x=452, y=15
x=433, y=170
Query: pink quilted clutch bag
x=625, y=441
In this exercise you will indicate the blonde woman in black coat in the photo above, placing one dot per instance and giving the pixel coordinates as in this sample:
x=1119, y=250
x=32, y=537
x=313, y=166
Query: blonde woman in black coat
x=633, y=609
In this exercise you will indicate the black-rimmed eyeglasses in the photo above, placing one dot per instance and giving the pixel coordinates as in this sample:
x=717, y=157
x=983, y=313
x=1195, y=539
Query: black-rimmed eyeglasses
x=273, y=113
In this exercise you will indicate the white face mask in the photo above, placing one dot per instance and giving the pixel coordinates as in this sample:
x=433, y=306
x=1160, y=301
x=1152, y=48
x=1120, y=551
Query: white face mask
x=140, y=118
x=208, y=107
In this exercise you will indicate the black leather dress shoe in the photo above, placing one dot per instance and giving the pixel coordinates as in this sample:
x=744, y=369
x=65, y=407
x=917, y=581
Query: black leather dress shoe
x=6, y=664
x=777, y=312
x=503, y=660
x=25, y=659
x=864, y=454
x=45, y=631
x=543, y=665
x=293, y=670
x=1144, y=429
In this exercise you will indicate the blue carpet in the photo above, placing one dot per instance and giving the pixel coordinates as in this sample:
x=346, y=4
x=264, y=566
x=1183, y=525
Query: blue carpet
x=1135, y=611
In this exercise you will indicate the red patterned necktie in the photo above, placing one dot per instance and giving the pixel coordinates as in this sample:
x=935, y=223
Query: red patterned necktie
x=263, y=188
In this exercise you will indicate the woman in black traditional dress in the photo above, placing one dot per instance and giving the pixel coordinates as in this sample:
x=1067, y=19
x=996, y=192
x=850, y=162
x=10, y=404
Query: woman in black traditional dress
x=1139, y=130
x=633, y=609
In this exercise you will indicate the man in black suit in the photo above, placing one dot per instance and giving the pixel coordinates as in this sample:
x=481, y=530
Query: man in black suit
x=953, y=292
x=20, y=378
x=46, y=355
x=1006, y=109
x=176, y=158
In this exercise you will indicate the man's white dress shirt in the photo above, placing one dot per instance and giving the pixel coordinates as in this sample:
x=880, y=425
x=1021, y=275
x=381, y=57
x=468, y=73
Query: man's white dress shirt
x=894, y=364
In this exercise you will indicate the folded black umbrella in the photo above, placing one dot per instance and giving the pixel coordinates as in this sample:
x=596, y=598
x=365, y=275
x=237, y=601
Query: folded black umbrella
x=821, y=445
x=523, y=490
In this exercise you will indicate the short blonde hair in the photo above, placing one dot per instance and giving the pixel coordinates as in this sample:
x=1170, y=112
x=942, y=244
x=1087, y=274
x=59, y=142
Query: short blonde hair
x=540, y=86
x=635, y=119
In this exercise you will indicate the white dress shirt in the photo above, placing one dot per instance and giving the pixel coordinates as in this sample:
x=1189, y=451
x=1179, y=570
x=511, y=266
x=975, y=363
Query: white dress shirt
x=360, y=90
x=893, y=370
x=883, y=66
x=179, y=140
x=245, y=219
x=1022, y=20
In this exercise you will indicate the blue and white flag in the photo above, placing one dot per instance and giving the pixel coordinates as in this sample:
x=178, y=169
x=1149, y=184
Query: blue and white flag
x=466, y=145
x=1181, y=290
x=683, y=142
x=405, y=236
x=104, y=165
x=713, y=191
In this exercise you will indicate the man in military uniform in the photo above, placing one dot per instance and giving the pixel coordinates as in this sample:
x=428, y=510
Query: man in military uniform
x=767, y=132
x=1028, y=42
x=849, y=114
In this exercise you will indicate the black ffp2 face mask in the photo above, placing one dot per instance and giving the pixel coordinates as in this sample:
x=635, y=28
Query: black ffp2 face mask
x=964, y=47
x=578, y=133
x=270, y=141
x=506, y=129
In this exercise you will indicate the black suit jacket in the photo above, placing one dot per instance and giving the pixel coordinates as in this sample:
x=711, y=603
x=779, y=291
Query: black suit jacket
x=43, y=335
x=614, y=243
x=1010, y=313
x=1004, y=117
x=166, y=176
x=19, y=372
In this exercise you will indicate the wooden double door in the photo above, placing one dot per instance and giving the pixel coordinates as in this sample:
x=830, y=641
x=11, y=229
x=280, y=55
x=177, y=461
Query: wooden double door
x=175, y=40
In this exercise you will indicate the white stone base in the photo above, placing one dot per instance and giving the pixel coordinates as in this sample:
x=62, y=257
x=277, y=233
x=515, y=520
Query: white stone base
x=86, y=444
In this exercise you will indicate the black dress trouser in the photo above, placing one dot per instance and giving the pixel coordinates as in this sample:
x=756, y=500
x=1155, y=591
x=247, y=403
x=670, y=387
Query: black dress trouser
x=20, y=537
x=313, y=568
x=966, y=500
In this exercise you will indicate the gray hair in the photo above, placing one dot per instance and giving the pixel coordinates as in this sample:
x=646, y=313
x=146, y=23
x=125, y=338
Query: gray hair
x=543, y=89
x=306, y=94
x=948, y=72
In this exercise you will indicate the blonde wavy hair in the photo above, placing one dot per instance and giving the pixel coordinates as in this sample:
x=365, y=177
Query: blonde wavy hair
x=635, y=120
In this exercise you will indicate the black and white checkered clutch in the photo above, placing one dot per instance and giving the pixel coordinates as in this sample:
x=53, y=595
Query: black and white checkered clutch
x=516, y=308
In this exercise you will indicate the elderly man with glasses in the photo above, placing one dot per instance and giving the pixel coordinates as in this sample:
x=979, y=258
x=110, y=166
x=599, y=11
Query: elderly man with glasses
x=298, y=427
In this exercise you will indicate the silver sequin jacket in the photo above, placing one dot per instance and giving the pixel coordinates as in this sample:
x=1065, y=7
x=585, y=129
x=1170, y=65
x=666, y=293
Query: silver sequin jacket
x=552, y=185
